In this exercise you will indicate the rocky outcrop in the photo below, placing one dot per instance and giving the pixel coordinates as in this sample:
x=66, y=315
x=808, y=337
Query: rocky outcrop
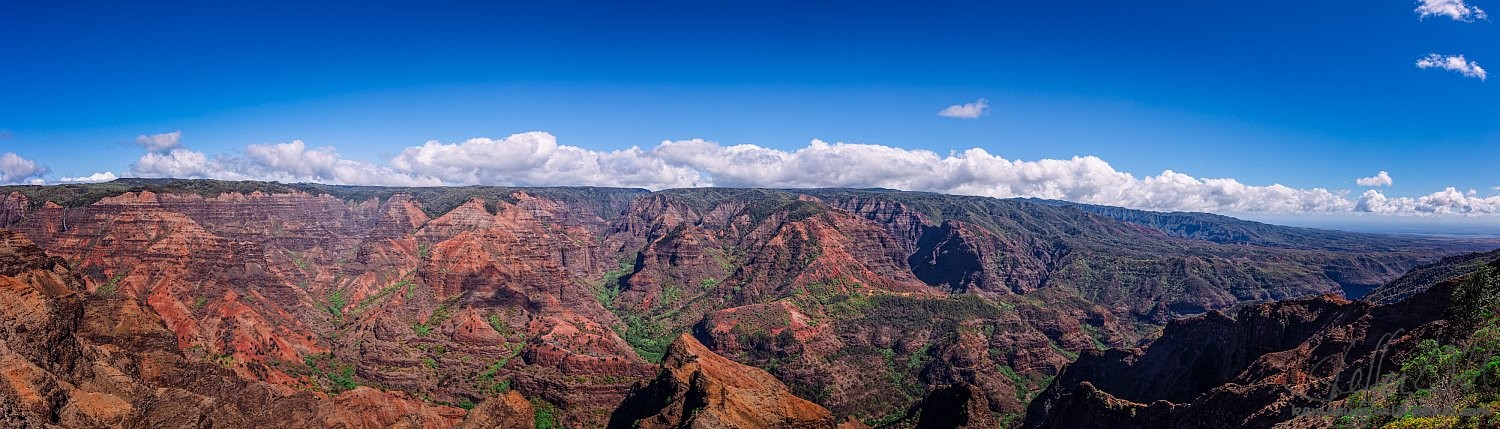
x=959, y=406
x=1253, y=370
x=74, y=359
x=699, y=389
x=364, y=407
x=509, y=410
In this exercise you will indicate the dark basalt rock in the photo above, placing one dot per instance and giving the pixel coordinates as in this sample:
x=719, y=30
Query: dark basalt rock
x=1249, y=371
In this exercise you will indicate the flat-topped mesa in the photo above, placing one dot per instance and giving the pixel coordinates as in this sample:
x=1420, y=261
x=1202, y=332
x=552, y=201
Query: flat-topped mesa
x=699, y=389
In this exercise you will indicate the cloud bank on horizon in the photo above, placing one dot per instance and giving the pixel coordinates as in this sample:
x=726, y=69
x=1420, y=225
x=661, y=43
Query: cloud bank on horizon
x=536, y=159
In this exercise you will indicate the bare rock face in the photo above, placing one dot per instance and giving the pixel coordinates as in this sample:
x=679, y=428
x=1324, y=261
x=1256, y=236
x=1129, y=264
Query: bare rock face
x=509, y=410
x=1249, y=371
x=71, y=359
x=699, y=389
x=956, y=406
x=364, y=407
x=310, y=292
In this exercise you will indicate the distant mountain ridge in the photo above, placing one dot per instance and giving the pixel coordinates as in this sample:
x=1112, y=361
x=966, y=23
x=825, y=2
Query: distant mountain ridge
x=1229, y=230
x=437, y=200
x=1425, y=276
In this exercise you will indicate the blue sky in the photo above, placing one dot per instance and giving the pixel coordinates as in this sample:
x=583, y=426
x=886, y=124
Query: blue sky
x=1310, y=95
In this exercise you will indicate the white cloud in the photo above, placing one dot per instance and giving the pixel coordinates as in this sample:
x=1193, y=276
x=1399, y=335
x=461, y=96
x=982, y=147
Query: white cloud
x=295, y=162
x=15, y=169
x=1455, y=9
x=1381, y=179
x=163, y=142
x=1455, y=63
x=966, y=110
x=181, y=163
x=96, y=177
x=977, y=172
x=284, y=162
x=536, y=159
x=1447, y=201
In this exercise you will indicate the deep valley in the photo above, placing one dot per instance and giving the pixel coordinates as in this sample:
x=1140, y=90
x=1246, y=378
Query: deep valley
x=199, y=303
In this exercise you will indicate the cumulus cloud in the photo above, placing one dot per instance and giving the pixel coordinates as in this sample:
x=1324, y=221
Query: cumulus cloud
x=977, y=172
x=1453, y=63
x=181, y=163
x=1381, y=179
x=163, y=142
x=92, y=178
x=1447, y=201
x=1455, y=9
x=966, y=110
x=284, y=162
x=536, y=159
x=15, y=169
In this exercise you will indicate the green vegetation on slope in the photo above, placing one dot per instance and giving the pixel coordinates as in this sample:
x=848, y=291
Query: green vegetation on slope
x=1420, y=278
x=1445, y=383
x=545, y=416
x=326, y=367
x=649, y=338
